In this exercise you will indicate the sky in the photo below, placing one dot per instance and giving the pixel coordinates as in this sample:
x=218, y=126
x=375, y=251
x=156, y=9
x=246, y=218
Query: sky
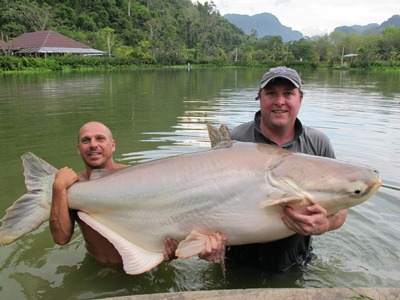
x=314, y=17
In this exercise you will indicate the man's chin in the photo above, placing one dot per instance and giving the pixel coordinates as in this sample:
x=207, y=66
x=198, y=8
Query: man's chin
x=94, y=163
x=280, y=123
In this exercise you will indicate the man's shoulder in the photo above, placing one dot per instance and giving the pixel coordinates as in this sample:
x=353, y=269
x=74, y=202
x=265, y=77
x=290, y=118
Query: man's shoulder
x=243, y=132
x=317, y=141
x=314, y=134
x=119, y=166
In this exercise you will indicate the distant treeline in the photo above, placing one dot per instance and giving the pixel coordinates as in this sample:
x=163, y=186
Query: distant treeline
x=177, y=32
x=70, y=63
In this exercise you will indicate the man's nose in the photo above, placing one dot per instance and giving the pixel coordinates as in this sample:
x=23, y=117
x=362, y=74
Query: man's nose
x=93, y=143
x=280, y=99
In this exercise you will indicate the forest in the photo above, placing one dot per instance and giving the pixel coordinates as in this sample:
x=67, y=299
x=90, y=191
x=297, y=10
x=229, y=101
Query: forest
x=177, y=32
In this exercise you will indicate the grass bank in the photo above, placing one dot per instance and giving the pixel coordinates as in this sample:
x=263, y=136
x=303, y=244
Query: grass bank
x=14, y=64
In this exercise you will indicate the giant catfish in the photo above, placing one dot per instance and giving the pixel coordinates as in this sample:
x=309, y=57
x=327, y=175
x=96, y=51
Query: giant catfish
x=236, y=188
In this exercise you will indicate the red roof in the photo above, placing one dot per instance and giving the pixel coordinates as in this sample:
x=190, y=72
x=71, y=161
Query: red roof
x=47, y=38
x=50, y=41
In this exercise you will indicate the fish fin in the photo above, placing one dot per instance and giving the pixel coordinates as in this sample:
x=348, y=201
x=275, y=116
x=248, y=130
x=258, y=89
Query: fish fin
x=283, y=183
x=136, y=260
x=220, y=138
x=32, y=209
x=289, y=192
x=192, y=245
x=285, y=199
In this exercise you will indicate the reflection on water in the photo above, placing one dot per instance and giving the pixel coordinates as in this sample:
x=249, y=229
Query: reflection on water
x=159, y=113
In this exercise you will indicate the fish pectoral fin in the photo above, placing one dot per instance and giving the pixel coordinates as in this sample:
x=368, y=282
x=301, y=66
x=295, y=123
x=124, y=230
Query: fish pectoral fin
x=288, y=192
x=283, y=200
x=136, y=260
x=192, y=245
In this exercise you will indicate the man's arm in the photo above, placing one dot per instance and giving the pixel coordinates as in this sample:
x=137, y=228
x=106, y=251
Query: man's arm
x=61, y=218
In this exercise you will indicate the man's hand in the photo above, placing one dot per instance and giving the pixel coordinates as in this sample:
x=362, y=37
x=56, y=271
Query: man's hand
x=64, y=178
x=213, y=251
x=314, y=220
x=215, y=247
x=169, y=249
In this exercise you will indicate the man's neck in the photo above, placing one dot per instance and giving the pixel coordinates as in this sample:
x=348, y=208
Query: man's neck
x=86, y=174
x=109, y=166
x=278, y=135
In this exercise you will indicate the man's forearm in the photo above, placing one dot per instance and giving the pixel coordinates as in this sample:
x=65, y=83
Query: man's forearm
x=61, y=224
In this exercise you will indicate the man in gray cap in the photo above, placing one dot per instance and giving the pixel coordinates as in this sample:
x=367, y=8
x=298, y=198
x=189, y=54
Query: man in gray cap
x=276, y=123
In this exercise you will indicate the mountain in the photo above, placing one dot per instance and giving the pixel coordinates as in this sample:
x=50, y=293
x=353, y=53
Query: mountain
x=265, y=24
x=358, y=28
x=392, y=21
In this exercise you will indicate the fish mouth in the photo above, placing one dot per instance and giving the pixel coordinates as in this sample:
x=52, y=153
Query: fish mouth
x=375, y=186
x=378, y=184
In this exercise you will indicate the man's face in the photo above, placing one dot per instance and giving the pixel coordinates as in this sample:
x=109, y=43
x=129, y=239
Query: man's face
x=95, y=145
x=280, y=103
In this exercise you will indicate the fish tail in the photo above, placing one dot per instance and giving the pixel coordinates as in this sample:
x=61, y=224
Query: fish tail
x=32, y=209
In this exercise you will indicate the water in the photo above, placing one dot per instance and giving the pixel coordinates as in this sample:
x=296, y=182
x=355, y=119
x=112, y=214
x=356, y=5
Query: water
x=159, y=113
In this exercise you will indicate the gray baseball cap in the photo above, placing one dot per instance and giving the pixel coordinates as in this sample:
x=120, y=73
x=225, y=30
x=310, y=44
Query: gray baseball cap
x=281, y=72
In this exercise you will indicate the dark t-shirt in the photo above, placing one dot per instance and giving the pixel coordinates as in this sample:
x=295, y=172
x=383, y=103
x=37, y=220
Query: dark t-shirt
x=280, y=255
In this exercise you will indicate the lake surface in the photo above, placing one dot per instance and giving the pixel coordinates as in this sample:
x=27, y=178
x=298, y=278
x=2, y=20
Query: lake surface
x=160, y=113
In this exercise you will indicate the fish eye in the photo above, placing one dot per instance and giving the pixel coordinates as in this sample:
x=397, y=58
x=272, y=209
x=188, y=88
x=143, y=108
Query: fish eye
x=358, y=191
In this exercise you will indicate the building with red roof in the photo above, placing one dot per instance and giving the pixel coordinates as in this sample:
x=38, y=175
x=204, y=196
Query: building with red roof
x=49, y=42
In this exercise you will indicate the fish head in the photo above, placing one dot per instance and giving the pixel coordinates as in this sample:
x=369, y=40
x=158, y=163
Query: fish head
x=331, y=183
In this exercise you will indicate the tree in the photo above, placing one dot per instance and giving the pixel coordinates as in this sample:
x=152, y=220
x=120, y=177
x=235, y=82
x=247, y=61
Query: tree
x=36, y=16
x=368, y=51
x=86, y=22
x=337, y=39
x=269, y=48
x=390, y=43
x=11, y=30
x=108, y=34
x=64, y=15
x=322, y=48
